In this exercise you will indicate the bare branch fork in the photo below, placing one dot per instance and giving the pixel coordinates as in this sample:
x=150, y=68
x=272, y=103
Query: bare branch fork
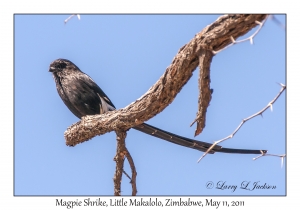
x=123, y=152
x=270, y=104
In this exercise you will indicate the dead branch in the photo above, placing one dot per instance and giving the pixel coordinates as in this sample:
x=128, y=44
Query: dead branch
x=204, y=87
x=270, y=104
x=133, y=172
x=124, y=172
x=212, y=38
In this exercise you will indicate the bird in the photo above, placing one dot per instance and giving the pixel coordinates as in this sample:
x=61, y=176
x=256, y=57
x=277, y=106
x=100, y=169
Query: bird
x=81, y=94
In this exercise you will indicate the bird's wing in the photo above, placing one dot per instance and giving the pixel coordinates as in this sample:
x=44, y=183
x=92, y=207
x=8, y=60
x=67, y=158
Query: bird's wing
x=62, y=91
x=86, y=96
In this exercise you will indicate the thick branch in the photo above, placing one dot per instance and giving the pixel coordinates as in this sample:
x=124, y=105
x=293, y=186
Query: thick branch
x=213, y=37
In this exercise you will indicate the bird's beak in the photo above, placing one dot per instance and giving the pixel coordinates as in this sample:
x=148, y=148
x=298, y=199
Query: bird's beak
x=51, y=69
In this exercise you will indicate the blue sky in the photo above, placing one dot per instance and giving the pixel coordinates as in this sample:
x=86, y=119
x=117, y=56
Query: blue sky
x=125, y=55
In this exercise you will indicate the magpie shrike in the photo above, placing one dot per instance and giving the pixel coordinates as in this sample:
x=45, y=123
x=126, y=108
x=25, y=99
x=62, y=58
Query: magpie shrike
x=84, y=97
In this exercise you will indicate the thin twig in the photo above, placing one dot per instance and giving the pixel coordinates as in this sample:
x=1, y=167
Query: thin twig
x=283, y=87
x=69, y=18
x=127, y=175
x=250, y=38
x=265, y=154
x=133, y=171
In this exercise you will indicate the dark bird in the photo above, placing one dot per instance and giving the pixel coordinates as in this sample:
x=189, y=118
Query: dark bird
x=84, y=97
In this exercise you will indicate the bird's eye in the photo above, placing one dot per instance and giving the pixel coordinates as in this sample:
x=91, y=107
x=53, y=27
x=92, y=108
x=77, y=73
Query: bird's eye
x=61, y=66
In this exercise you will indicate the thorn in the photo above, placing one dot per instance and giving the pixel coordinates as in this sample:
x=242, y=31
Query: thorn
x=258, y=23
x=251, y=40
x=137, y=121
x=282, y=85
x=232, y=39
x=271, y=107
x=261, y=115
x=78, y=16
x=281, y=162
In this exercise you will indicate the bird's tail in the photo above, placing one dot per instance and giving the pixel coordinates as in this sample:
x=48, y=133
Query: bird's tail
x=194, y=144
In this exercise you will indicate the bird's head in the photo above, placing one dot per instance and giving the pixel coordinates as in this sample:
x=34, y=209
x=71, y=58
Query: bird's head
x=61, y=64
